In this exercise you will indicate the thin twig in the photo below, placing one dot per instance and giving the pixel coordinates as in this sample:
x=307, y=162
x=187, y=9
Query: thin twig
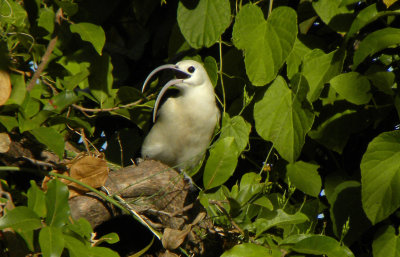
x=46, y=56
x=222, y=208
x=84, y=109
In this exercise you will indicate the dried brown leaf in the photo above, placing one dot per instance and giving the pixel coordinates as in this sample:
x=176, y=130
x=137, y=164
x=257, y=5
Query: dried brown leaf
x=90, y=170
x=5, y=87
x=173, y=238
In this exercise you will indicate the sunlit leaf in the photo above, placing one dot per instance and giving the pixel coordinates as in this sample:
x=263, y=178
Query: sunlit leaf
x=20, y=218
x=266, y=44
x=57, y=205
x=202, y=22
x=51, y=241
x=305, y=177
x=281, y=118
x=50, y=138
x=380, y=176
x=353, y=87
x=91, y=33
x=221, y=164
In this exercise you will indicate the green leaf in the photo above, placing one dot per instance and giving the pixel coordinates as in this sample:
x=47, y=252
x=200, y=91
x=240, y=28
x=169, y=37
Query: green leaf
x=382, y=80
x=20, y=218
x=251, y=250
x=346, y=205
x=203, y=23
x=375, y=42
x=367, y=16
x=353, y=87
x=76, y=248
x=210, y=64
x=8, y=122
x=102, y=252
x=221, y=164
x=61, y=101
x=295, y=58
x=319, y=244
x=333, y=13
x=36, y=200
x=386, y=244
x=305, y=177
x=51, y=241
x=380, y=176
x=91, y=33
x=250, y=187
x=50, y=138
x=266, y=44
x=47, y=19
x=58, y=211
x=110, y=238
x=264, y=202
x=278, y=218
x=237, y=128
x=68, y=7
x=81, y=227
x=281, y=119
x=318, y=68
x=101, y=79
x=13, y=13
x=18, y=89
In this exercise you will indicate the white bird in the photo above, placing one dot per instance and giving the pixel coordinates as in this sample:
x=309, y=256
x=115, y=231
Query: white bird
x=185, y=124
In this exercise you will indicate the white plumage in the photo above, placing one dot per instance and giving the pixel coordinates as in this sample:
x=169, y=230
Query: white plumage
x=185, y=123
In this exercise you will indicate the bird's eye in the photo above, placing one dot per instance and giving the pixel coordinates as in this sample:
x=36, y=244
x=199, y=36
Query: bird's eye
x=191, y=69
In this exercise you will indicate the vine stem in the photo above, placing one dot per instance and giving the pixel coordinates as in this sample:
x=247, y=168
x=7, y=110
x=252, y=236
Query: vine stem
x=271, y=2
x=221, y=74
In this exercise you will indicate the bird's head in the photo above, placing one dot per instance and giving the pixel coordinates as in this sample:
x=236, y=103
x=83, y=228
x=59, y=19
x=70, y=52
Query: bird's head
x=189, y=74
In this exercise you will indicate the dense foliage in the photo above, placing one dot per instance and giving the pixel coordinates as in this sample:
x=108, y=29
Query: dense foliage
x=306, y=159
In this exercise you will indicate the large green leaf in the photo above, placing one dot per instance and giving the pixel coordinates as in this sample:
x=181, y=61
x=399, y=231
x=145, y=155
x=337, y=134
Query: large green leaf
x=91, y=33
x=237, y=128
x=353, y=87
x=380, y=176
x=251, y=250
x=281, y=118
x=51, y=241
x=50, y=138
x=36, y=200
x=305, y=177
x=20, y=218
x=319, y=245
x=375, y=42
x=386, y=244
x=318, y=68
x=58, y=211
x=203, y=24
x=221, y=164
x=278, y=218
x=266, y=44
